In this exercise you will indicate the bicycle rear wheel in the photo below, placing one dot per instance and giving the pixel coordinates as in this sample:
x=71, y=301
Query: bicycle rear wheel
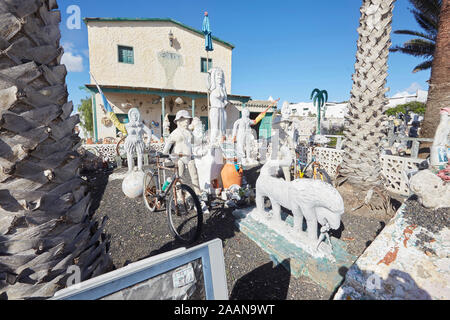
x=151, y=191
x=184, y=214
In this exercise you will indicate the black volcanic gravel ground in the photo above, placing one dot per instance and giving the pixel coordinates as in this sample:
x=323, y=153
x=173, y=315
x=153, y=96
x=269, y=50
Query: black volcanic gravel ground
x=136, y=234
x=432, y=220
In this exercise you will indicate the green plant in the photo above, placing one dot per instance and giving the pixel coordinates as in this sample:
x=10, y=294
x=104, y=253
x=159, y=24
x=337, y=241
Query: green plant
x=414, y=106
x=86, y=118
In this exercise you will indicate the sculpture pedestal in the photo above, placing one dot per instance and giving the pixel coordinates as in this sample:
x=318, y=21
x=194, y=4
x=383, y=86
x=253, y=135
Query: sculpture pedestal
x=322, y=270
x=132, y=185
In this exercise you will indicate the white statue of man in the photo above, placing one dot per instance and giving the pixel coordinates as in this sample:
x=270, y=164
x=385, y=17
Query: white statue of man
x=242, y=135
x=181, y=140
x=134, y=142
x=286, y=137
x=218, y=102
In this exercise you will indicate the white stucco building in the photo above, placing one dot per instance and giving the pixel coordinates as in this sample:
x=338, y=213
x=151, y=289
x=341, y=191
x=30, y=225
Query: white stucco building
x=157, y=65
x=338, y=110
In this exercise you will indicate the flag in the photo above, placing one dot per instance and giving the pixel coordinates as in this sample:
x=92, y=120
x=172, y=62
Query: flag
x=207, y=32
x=109, y=111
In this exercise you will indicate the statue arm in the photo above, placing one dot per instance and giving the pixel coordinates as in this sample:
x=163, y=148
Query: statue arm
x=235, y=128
x=168, y=144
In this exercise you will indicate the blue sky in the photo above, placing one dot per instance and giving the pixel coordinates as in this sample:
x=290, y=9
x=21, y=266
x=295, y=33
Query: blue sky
x=283, y=49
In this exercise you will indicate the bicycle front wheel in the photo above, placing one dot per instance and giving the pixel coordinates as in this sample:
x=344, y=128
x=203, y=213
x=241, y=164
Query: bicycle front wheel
x=151, y=190
x=184, y=214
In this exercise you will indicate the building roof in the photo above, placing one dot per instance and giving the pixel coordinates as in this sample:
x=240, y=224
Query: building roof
x=254, y=105
x=158, y=91
x=87, y=20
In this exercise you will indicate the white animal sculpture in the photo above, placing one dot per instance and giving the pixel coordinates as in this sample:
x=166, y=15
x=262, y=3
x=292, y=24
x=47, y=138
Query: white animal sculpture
x=315, y=200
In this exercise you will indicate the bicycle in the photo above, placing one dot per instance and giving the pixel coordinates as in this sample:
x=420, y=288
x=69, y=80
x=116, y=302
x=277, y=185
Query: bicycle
x=183, y=208
x=317, y=171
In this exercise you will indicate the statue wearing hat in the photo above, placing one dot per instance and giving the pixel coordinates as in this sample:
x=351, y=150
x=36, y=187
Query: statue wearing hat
x=287, y=136
x=180, y=141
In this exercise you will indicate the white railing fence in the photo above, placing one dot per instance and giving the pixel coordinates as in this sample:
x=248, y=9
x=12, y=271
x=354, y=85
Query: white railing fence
x=392, y=166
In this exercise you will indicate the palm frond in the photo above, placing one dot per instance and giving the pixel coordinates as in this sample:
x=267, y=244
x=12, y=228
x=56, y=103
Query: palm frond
x=428, y=7
x=426, y=13
x=416, y=33
x=429, y=24
x=415, y=48
x=423, y=66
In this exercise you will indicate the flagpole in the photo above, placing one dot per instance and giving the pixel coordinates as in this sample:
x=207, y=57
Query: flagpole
x=207, y=91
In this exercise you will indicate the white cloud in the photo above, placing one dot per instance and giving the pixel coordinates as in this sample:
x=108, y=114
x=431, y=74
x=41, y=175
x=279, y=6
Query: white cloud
x=402, y=94
x=73, y=62
x=68, y=46
x=410, y=91
x=414, y=87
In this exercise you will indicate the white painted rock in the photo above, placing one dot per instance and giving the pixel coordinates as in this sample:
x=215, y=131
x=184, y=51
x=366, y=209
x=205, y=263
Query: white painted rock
x=431, y=190
x=132, y=185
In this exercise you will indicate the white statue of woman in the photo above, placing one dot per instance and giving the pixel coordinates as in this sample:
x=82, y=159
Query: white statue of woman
x=218, y=101
x=134, y=142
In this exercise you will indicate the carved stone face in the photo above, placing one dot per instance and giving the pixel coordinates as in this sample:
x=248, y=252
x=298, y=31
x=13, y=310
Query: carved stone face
x=220, y=79
x=134, y=115
x=183, y=123
x=245, y=113
x=284, y=125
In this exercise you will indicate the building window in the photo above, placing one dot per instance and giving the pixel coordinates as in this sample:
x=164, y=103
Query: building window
x=126, y=54
x=203, y=67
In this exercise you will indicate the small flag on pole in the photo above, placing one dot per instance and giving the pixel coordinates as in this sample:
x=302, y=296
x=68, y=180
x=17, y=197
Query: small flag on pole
x=120, y=126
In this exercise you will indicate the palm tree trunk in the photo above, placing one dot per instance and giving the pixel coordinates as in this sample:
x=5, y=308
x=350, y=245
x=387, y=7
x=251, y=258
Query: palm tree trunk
x=365, y=121
x=45, y=219
x=439, y=91
x=365, y=118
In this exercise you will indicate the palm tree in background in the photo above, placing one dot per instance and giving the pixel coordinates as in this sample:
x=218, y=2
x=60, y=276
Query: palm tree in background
x=46, y=223
x=439, y=92
x=426, y=13
x=320, y=98
x=366, y=121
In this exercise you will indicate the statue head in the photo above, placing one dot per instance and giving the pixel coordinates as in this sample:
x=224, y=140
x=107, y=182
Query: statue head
x=134, y=116
x=216, y=80
x=245, y=113
x=183, y=119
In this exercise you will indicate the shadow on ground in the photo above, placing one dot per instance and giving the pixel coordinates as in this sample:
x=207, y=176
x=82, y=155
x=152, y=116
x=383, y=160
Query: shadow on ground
x=263, y=283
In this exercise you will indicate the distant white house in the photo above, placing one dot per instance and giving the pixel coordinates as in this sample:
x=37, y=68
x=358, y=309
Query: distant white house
x=405, y=97
x=338, y=110
x=332, y=109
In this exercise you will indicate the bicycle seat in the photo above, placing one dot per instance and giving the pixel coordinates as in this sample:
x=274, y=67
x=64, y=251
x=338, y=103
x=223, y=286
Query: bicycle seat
x=162, y=155
x=169, y=164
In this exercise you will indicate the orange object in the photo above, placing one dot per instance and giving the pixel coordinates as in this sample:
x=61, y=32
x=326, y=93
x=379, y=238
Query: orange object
x=230, y=176
x=263, y=114
x=215, y=184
